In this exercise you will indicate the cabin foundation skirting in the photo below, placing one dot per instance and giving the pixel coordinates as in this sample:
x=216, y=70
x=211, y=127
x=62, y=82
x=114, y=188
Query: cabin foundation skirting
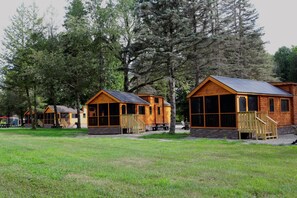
x=214, y=133
x=286, y=130
x=104, y=131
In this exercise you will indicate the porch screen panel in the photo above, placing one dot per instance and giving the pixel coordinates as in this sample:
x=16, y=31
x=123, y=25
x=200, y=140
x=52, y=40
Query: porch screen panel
x=197, y=116
x=92, y=115
x=103, y=114
x=253, y=103
x=212, y=111
x=114, y=112
x=228, y=112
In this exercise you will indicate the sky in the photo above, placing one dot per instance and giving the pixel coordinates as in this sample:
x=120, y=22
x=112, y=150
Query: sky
x=275, y=16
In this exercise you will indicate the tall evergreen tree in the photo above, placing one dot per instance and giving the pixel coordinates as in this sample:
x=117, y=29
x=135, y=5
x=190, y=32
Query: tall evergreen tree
x=76, y=48
x=21, y=39
x=165, y=31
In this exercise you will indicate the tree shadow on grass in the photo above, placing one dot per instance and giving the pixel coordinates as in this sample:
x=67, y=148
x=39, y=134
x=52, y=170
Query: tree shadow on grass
x=166, y=136
x=45, y=132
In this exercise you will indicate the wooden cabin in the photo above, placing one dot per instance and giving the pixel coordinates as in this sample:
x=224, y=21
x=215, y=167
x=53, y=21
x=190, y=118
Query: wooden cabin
x=158, y=112
x=223, y=107
x=67, y=117
x=27, y=121
x=116, y=112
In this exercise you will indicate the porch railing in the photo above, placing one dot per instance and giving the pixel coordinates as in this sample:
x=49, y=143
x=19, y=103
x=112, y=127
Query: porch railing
x=259, y=124
x=132, y=123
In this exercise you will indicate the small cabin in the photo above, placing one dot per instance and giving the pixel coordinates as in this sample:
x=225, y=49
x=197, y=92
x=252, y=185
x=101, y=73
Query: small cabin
x=27, y=121
x=116, y=112
x=67, y=117
x=224, y=107
x=158, y=112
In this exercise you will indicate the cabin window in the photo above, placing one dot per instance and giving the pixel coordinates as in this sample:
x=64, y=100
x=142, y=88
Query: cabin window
x=211, y=111
x=253, y=103
x=271, y=104
x=197, y=105
x=64, y=115
x=49, y=118
x=156, y=100
x=159, y=111
x=103, y=114
x=197, y=117
x=74, y=115
x=131, y=109
x=285, y=105
x=114, y=114
x=227, y=109
x=123, y=109
x=92, y=115
x=40, y=116
x=242, y=104
x=141, y=110
x=197, y=120
x=151, y=110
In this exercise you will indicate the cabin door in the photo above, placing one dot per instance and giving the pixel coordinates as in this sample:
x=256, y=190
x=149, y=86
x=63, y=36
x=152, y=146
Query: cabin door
x=247, y=103
x=242, y=103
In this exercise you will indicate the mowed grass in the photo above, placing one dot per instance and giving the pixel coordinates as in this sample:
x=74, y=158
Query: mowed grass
x=34, y=165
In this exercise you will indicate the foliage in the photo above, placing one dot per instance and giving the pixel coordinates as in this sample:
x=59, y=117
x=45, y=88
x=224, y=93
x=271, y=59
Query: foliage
x=129, y=44
x=286, y=63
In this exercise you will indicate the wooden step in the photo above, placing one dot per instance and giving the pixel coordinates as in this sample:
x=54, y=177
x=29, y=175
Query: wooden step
x=271, y=137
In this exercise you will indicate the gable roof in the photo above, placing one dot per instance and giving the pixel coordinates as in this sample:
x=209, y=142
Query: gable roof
x=121, y=96
x=245, y=86
x=62, y=109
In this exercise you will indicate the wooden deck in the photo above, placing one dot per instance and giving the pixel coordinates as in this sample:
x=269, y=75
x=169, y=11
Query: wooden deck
x=132, y=123
x=258, y=124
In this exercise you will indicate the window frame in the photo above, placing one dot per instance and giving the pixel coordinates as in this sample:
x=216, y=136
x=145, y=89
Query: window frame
x=288, y=105
x=271, y=105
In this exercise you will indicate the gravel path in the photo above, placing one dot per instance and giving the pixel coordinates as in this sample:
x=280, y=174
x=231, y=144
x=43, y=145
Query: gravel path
x=282, y=140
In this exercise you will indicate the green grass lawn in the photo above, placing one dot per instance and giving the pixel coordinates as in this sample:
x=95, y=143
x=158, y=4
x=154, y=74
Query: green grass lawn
x=68, y=163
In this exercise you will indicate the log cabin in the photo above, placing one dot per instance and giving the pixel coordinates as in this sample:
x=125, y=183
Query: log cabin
x=116, y=112
x=223, y=107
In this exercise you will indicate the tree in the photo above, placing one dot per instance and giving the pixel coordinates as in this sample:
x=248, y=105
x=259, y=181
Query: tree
x=164, y=30
x=282, y=60
x=20, y=40
x=75, y=43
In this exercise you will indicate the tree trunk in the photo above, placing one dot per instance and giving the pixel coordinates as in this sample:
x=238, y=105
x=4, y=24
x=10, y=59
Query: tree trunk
x=78, y=111
x=30, y=107
x=22, y=117
x=126, y=77
x=35, y=107
x=56, y=111
x=172, y=94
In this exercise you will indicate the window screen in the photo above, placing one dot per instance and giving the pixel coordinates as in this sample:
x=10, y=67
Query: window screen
x=197, y=105
x=227, y=103
x=211, y=104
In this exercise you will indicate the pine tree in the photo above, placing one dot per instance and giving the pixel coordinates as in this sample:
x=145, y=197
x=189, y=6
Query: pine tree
x=164, y=30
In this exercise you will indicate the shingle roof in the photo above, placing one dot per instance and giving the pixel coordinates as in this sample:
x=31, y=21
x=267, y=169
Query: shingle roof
x=127, y=97
x=251, y=86
x=63, y=109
